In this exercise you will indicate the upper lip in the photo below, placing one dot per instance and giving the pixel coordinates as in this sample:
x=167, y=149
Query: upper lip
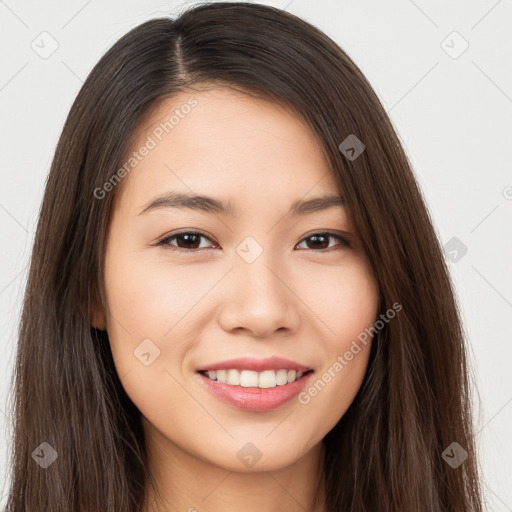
x=257, y=365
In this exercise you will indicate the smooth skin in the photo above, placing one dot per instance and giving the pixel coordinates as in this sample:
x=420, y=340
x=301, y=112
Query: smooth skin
x=209, y=304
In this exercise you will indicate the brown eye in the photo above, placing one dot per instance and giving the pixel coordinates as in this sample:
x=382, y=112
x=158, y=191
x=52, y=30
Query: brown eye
x=185, y=241
x=320, y=241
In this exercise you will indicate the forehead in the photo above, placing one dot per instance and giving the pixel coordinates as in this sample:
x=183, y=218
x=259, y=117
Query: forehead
x=225, y=142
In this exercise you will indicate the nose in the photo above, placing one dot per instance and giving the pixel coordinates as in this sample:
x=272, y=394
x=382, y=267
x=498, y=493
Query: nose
x=260, y=300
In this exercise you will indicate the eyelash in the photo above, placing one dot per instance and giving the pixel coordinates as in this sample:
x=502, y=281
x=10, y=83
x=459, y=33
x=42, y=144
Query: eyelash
x=165, y=241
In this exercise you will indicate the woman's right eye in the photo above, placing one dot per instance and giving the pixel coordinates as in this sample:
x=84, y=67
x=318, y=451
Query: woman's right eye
x=189, y=239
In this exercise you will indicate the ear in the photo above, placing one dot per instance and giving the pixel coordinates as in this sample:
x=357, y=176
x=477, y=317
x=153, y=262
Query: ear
x=98, y=320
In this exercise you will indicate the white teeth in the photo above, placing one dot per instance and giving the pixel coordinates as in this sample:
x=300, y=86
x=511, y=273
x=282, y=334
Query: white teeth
x=252, y=379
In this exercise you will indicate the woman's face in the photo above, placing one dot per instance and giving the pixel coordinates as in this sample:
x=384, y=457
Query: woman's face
x=248, y=282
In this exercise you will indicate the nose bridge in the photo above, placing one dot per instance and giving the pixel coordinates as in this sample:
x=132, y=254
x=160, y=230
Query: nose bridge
x=258, y=298
x=260, y=280
x=253, y=263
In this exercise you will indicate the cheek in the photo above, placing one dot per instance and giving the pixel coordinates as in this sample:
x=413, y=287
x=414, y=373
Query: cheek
x=349, y=307
x=145, y=303
x=155, y=301
x=149, y=299
x=345, y=298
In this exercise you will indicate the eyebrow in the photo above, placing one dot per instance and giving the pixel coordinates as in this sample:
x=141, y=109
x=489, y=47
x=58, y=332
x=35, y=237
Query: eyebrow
x=211, y=205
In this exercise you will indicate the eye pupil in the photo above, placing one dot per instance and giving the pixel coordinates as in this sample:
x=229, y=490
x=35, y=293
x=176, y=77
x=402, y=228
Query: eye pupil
x=188, y=236
x=316, y=238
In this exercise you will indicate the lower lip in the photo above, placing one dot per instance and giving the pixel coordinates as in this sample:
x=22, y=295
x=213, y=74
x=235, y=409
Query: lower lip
x=255, y=399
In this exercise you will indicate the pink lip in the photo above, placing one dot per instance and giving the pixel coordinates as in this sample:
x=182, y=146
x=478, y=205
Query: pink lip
x=257, y=365
x=255, y=399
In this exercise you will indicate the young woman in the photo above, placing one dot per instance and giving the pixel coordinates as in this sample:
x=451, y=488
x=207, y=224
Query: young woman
x=236, y=299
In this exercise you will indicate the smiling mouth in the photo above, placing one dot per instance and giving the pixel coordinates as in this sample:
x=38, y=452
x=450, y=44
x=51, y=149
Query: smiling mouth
x=252, y=379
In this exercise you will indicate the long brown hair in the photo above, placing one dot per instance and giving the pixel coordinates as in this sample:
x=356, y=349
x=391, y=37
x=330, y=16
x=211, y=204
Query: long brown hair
x=386, y=452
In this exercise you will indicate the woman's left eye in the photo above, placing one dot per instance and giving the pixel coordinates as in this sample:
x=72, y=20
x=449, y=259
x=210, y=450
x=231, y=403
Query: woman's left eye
x=191, y=239
x=318, y=239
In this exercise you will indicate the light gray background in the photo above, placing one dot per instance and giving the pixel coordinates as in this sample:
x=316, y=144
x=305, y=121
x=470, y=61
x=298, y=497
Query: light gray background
x=453, y=114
